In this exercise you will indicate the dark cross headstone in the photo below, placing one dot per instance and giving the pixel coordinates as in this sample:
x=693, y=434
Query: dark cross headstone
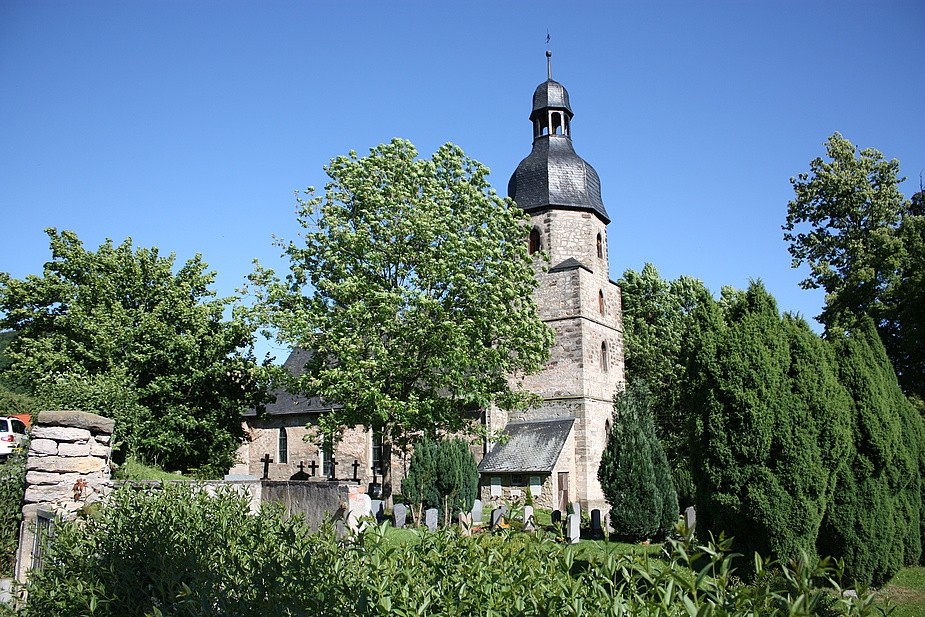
x=596, y=527
x=356, y=470
x=300, y=475
x=333, y=475
x=314, y=468
x=266, y=460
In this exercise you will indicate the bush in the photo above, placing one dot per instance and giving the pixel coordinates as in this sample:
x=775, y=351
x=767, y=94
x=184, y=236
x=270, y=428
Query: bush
x=442, y=474
x=12, y=487
x=182, y=553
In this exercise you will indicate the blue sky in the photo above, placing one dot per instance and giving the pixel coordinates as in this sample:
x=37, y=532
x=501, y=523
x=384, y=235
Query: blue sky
x=188, y=125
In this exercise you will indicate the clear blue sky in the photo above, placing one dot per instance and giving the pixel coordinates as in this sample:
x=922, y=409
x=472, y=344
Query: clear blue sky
x=188, y=125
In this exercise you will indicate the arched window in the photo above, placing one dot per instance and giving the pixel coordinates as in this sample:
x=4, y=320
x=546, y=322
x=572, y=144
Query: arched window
x=600, y=301
x=600, y=246
x=282, y=447
x=535, y=243
x=604, y=356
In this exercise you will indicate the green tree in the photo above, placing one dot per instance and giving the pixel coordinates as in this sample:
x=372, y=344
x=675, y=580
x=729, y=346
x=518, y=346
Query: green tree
x=118, y=330
x=656, y=316
x=419, y=486
x=770, y=424
x=864, y=244
x=419, y=300
x=875, y=521
x=634, y=472
x=457, y=476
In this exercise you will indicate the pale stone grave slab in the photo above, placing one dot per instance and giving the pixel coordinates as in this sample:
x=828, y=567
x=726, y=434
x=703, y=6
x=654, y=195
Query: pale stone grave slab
x=430, y=518
x=399, y=515
x=574, y=528
x=576, y=508
x=529, y=520
x=376, y=509
x=690, y=517
x=477, y=511
x=465, y=523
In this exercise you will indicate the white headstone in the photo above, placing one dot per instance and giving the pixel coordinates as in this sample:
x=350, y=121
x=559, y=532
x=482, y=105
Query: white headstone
x=690, y=517
x=574, y=528
x=576, y=509
x=477, y=511
x=399, y=514
x=430, y=518
x=529, y=520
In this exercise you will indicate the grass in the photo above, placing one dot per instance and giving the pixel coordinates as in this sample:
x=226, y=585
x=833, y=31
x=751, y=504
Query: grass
x=906, y=593
x=132, y=469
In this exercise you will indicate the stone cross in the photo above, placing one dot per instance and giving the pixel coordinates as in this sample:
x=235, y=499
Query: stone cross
x=356, y=470
x=314, y=468
x=266, y=460
x=301, y=466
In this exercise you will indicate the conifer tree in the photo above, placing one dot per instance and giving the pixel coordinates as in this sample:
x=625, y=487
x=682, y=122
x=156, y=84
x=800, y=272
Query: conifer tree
x=875, y=521
x=418, y=485
x=634, y=472
x=769, y=425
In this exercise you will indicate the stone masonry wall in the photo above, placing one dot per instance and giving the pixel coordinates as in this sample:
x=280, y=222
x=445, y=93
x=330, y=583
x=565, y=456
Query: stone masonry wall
x=68, y=467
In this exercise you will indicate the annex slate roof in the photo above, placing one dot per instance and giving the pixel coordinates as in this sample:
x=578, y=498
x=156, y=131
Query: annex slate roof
x=569, y=264
x=554, y=176
x=532, y=447
x=288, y=404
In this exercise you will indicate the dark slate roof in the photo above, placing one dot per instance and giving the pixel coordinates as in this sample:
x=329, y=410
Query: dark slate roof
x=569, y=264
x=554, y=176
x=288, y=404
x=532, y=447
x=550, y=94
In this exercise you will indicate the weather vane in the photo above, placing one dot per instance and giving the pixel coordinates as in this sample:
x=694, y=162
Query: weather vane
x=548, y=56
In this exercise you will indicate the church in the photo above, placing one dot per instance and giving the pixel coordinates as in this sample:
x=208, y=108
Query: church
x=554, y=449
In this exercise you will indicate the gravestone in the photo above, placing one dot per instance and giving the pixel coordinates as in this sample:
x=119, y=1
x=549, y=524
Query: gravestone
x=465, y=523
x=574, y=528
x=399, y=515
x=556, y=517
x=477, y=512
x=377, y=509
x=596, y=527
x=576, y=508
x=497, y=515
x=430, y=518
x=529, y=520
x=690, y=517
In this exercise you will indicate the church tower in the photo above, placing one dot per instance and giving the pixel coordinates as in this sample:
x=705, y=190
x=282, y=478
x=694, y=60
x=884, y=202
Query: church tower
x=576, y=298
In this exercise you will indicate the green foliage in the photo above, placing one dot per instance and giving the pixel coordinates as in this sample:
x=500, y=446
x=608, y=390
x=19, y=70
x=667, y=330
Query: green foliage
x=656, y=316
x=634, y=472
x=770, y=425
x=179, y=552
x=12, y=487
x=442, y=474
x=419, y=297
x=875, y=521
x=119, y=332
x=865, y=246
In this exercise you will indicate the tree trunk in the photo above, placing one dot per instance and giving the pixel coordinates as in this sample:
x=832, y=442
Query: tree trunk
x=387, y=472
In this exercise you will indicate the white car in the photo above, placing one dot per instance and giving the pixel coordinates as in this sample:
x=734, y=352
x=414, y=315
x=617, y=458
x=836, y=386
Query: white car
x=12, y=432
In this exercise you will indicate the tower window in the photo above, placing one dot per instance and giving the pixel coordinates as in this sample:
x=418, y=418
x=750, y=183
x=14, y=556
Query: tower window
x=604, y=356
x=600, y=246
x=282, y=447
x=535, y=244
x=600, y=301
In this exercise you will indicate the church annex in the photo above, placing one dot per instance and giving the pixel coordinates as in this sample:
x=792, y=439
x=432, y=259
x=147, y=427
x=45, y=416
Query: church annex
x=555, y=448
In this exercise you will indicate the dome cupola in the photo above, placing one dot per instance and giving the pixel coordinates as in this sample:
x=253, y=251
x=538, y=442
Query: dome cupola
x=553, y=175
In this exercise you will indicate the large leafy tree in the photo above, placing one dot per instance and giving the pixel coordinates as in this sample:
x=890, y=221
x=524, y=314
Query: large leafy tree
x=122, y=332
x=863, y=243
x=414, y=287
x=656, y=317
x=634, y=472
x=770, y=424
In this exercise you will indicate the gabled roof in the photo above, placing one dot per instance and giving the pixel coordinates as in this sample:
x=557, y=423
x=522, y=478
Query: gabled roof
x=533, y=447
x=288, y=404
